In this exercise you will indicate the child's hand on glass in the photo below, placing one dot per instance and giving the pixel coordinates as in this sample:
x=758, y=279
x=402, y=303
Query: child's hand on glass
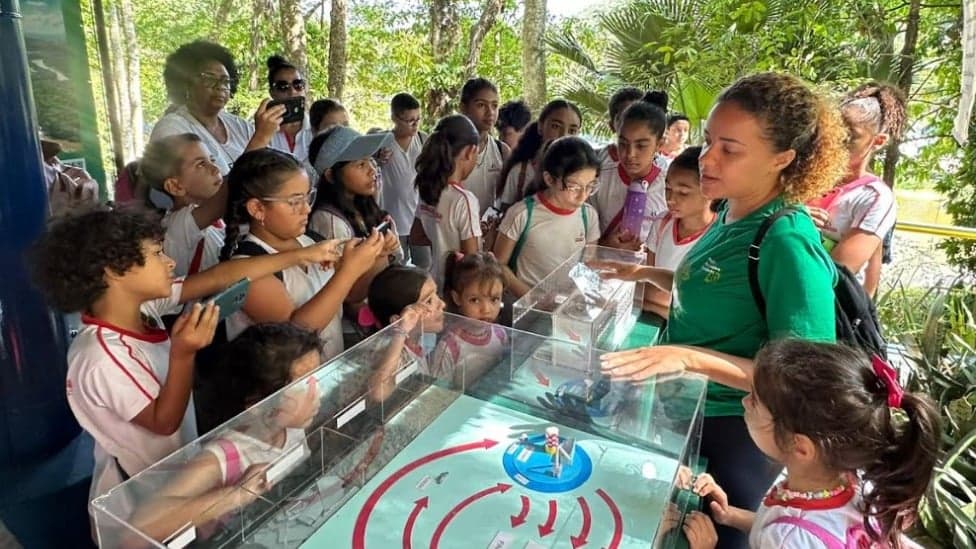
x=195, y=329
x=700, y=531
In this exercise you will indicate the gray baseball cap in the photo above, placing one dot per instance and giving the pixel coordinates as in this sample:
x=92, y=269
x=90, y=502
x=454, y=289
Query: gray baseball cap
x=346, y=144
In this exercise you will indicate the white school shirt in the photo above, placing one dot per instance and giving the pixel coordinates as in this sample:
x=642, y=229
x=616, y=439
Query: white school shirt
x=113, y=374
x=400, y=196
x=866, y=204
x=465, y=352
x=554, y=236
x=516, y=182
x=483, y=181
x=453, y=220
x=248, y=451
x=239, y=133
x=303, y=139
x=192, y=248
x=330, y=225
x=668, y=249
x=612, y=192
x=301, y=283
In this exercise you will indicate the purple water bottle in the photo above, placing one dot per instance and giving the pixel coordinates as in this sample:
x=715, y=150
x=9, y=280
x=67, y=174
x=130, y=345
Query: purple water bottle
x=632, y=218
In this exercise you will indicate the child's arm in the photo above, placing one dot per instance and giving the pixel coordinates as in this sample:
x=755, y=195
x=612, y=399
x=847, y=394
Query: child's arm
x=191, y=332
x=662, y=278
x=268, y=301
x=211, y=209
x=855, y=249
x=225, y=273
x=504, y=247
x=391, y=243
x=382, y=382
x=722, y=512
x=470, y=246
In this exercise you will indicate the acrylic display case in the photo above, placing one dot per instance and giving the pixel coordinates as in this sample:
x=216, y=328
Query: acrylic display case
x=456, y=436
x=573, y=304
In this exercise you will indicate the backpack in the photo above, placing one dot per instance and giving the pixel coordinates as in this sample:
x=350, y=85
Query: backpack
x=856, y=322
x=529, y=206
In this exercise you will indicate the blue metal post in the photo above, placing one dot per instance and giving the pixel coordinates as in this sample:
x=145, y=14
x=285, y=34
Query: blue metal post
x=43, y=460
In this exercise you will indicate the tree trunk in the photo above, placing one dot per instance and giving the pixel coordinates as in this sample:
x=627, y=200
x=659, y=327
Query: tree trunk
x=534, y=53
x=117, y=48
x=293, y=33
x=108, y=82
x=132, y=67
x=337, y=49
x=445, y=35
x=905, y=77
x=487, y=20
x=220, y=19
x=262, y=9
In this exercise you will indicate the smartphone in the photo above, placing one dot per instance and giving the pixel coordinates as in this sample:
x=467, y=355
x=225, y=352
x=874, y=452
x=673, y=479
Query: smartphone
x=231, y=299
x=294, y=109
x=384, y=226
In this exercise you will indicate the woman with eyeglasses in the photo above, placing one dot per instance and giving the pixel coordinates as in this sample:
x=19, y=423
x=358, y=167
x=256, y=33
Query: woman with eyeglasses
x=201, y=77
x=285, y=81
x=554, y=220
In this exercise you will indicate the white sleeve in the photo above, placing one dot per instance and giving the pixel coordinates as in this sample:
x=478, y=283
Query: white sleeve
x=788, y=536
x=513, y=223
x=510, y=194
x=464, y=216
x=182, y=233
x=874, y=211
x=173, y=304
x=118, y=379
x=329, y=225
x=592, y=224
x=653, y=242
x=170, y=124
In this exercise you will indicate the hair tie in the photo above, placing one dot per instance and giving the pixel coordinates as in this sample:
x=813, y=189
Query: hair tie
x=366, y=318
x=889, y=377
x=458, y=256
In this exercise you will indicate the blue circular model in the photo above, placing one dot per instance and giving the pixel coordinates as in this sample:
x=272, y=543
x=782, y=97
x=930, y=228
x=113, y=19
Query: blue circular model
x=528, y=464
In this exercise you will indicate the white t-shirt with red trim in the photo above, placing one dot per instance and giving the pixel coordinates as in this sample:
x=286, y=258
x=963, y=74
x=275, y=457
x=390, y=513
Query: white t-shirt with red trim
x=456, y=218
x=400, y=196
x=297, y=147
x=113, y=374
x=192, y=248
x=236, y=451
x=667, y=247
x=483, y=180
x=554, y=236
x=610, y=196
x=465, y=351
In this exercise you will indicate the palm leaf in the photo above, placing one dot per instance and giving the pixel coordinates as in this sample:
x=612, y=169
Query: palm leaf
x=567, y=46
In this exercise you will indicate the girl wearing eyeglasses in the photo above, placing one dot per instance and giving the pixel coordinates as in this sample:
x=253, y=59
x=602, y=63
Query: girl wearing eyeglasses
x=201, y=77
x=554, y=221
x=270, y=195
x=284, y=82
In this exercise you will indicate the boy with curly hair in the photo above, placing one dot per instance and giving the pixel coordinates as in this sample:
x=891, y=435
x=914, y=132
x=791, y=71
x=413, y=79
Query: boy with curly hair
x=129, y=381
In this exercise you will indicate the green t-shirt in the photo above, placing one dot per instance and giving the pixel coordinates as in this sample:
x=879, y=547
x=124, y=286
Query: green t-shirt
x=712, y=305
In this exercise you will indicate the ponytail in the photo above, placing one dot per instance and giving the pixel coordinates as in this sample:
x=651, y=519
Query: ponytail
x=531, y=141
x=255, y=174
x=899, y=476
x=650, y=110
x=462, y=270
x=436, y=161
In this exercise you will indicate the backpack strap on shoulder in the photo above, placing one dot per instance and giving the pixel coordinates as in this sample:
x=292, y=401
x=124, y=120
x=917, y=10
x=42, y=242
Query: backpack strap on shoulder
x=754, y=256
x=253, y=249
x=829, y=540
x=529, y=206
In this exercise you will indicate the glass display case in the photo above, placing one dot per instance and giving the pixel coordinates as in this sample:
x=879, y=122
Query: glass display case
x=455, y=435
x=574, y=304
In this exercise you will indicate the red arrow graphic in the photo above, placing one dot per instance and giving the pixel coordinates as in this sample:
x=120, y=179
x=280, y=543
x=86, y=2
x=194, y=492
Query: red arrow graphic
x=547, y=528
x=419, y=506
x=359, y=532
x=543, y=380
x=580, y=540
x=618, y=520
x=521, y=518
x=499, y=488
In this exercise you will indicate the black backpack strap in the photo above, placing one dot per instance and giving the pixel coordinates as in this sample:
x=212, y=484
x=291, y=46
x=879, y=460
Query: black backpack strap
x=253, y=249
x=314, y=235
x=754, y=256
x=501, y=149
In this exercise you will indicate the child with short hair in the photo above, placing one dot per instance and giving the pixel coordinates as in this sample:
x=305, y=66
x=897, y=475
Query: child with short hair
x=180, y=167
x=558, y=118
x=676, y=136
x=271, y=198
x=635, y=161
x=672, y=237
x=448, y=216
x=513, y=117
x=128, y=382
x=398, y=166
x=467, y=350
x=859, y=451
x=325, y=113
x=479, y=102
x=553, y=222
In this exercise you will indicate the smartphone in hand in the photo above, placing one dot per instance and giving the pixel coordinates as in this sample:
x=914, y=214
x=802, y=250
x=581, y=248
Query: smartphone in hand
x=232, y=298
x=294, y=109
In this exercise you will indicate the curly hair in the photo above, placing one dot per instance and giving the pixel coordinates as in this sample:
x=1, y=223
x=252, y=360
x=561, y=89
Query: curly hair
x=69, y=261
x=184, y=64
x=794, y=117
x=843, y=409
x=255, y=174
x=881, y=105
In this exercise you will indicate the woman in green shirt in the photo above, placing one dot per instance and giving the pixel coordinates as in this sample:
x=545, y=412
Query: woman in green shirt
x=769, y=141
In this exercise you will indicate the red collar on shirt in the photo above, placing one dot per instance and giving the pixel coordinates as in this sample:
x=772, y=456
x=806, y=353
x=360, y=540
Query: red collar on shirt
x=690, y=238
x=650, y=176
x=833, y=502
x=553, y=208
x=473, y=338
x=458, y=184
x=290, y=140
x=151, y=335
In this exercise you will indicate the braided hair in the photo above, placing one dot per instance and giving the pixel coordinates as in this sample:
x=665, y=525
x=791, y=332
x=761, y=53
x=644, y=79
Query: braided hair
x=255, y=174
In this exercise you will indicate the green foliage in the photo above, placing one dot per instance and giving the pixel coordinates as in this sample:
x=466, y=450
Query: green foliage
x=960, y=186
